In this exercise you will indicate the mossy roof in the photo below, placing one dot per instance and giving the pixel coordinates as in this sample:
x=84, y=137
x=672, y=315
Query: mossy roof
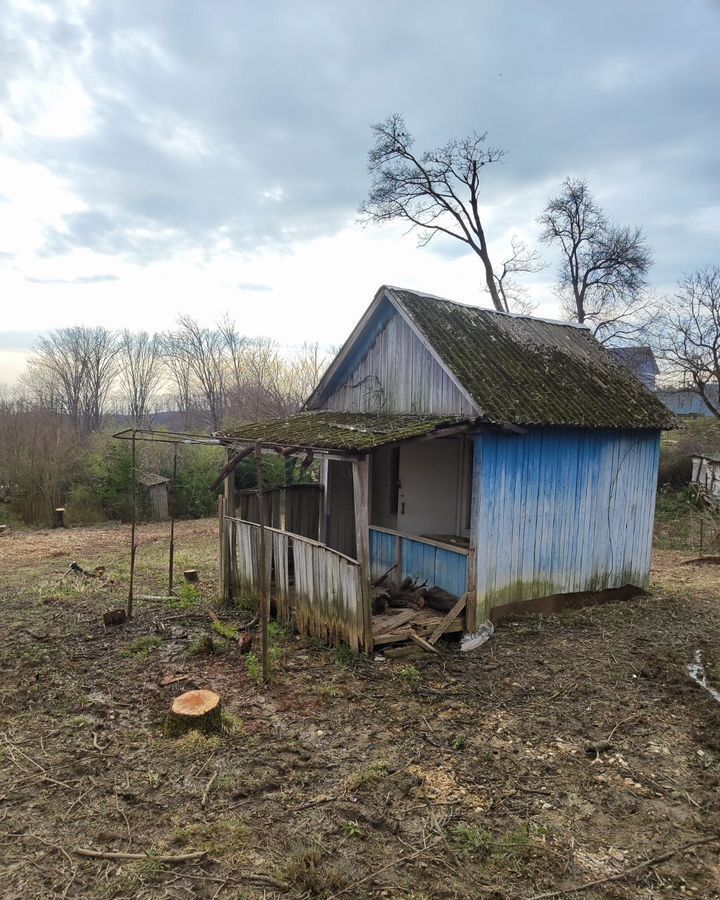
x=338, y=431
x=521, y=370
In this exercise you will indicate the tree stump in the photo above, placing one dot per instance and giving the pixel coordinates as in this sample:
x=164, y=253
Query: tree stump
x=194, y=711
x=59, y=517
x=192, y=576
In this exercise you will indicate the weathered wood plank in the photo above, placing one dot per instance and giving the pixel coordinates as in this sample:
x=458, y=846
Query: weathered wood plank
x=421, y=642
x=449, y=619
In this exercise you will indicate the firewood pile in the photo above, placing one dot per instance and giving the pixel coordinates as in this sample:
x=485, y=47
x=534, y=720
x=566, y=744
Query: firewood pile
x=410, y=594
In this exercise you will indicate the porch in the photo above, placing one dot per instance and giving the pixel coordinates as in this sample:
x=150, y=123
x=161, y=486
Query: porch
x=328, y=577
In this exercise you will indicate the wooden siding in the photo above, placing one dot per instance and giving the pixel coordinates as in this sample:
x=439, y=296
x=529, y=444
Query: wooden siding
x=706, y=478
x=397, y=374
x=562, y=510
x=299, y=503
x=420, y=558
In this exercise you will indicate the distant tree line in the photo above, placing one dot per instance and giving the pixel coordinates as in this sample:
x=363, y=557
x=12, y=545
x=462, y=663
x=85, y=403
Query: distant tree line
x=83, y=382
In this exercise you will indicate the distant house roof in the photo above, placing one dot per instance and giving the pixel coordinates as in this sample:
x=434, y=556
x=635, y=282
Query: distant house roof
x=151, y=480
x=340, y=431
x=638, y=359
x=521, y=370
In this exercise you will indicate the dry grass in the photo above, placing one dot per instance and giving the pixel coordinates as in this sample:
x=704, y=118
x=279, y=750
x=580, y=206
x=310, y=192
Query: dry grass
x=474, y=777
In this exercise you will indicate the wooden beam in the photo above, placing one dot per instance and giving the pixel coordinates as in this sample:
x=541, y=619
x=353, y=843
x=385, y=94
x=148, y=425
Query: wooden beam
x=360, y=469
x=421, y=642
x=230, y=467
x=448, y=620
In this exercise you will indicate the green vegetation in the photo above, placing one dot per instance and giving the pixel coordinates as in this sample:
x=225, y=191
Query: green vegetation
x=366, y=777
x=143, y=647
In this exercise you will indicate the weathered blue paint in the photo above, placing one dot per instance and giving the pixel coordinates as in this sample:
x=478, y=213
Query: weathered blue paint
x=559, y=510
x=445, y=568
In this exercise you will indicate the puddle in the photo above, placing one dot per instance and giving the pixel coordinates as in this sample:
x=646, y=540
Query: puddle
x=696, y=670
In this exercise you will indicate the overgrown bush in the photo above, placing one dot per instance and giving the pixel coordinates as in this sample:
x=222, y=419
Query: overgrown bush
x=697, y=436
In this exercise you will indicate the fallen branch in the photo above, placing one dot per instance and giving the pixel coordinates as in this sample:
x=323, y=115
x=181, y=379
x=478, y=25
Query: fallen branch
x=648, y=863
x=158, y=857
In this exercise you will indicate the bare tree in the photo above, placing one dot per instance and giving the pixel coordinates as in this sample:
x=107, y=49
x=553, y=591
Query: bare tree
x=72, y=371
x=689, y=335
x=199, y=354
x=437, y=191
x=603, y=268
x=140, y=364
x=521, y=260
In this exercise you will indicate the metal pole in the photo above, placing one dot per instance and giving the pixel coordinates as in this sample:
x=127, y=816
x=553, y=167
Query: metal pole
x=172, y=524
x=132, y=530
x=264, y=599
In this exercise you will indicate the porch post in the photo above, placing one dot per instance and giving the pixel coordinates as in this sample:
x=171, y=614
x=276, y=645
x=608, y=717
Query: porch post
x=362, y=540
x=322, y=516
x=228, y=556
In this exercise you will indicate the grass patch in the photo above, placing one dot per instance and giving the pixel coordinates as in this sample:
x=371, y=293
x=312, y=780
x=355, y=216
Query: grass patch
x=196, y=743
x=345, y=656
x=228, y=838
x=472, y=842
x=366, y=777
x=308, y=872
x=142, y=647
x=411, y=675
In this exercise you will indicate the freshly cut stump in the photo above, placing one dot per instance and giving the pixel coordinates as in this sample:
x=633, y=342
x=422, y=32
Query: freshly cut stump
x=194, y=711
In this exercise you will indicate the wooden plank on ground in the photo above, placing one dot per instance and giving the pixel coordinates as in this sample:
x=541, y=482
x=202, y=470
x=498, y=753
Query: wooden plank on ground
x=393, y=637
x=448, y=620
x=421, y=642
x=391, y=622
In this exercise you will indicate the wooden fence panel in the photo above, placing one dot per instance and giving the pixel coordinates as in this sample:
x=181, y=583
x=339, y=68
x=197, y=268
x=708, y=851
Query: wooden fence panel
x=280, y=549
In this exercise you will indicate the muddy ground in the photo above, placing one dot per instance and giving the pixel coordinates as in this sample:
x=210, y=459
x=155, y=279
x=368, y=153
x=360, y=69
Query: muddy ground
x=568, y=750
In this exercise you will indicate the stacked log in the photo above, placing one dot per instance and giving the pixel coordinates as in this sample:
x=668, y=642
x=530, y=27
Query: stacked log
x=410, y=594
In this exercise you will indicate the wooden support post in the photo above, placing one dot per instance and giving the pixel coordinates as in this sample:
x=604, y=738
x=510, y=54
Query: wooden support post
x=229, y=509
x=171, y=560
x=471, y=605
x=132, y=528
x=322, y=518
x=362, y=538
x=264, y=586
x=222, y=590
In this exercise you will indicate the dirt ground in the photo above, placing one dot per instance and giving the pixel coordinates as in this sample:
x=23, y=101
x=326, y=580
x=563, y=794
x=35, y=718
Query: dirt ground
x=569, y=750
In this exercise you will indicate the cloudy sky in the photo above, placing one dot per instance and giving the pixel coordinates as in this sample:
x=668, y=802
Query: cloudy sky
x=208, y=156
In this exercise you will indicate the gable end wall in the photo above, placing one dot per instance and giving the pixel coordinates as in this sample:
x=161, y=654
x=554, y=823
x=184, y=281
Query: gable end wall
x=397, y=374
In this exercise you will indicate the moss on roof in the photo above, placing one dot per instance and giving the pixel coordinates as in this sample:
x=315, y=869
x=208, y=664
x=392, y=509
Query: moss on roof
x=339, y=431
x=526, y=371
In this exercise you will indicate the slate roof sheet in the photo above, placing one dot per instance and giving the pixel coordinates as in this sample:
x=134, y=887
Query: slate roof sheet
x=338, y=431
x=522, y=370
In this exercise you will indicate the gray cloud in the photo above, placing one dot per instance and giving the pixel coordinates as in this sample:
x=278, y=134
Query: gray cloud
x=249, y=122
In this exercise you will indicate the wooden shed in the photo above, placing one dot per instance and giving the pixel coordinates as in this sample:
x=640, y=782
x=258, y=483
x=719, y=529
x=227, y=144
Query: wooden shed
x=156, y=487
x=509, y=460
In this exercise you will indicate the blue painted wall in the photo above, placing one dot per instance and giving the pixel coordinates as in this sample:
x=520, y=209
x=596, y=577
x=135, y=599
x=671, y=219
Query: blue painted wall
x=559, y=510
x=423, y=562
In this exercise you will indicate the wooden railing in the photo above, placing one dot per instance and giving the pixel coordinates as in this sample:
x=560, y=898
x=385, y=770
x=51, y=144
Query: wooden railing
x=314, y=585
x=421, y=558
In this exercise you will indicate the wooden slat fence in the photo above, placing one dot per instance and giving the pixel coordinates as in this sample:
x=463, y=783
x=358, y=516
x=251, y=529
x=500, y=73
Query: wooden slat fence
x=295, y=508
x=325, y=596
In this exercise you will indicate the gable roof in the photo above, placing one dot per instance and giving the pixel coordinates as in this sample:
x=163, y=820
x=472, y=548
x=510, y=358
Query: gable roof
x=517, y=370
x=636, y=358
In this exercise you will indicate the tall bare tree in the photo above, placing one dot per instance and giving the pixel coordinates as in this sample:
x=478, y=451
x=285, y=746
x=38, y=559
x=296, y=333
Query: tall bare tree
x=689, y=335
x=437, y=191
x=72, y=371
x=200, y=353
x=603, y=269
x=140, y=373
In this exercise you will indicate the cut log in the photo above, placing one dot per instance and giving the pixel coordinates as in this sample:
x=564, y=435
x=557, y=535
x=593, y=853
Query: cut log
x=59, y=517
x=440, y=599
x=194, y=711
x=4, y=529
x=192, y=576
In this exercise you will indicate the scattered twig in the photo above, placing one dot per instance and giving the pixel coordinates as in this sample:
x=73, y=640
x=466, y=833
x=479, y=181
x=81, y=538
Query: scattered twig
x=648, y=863
x=207, y=788
x=396, y=862
x=158, y=857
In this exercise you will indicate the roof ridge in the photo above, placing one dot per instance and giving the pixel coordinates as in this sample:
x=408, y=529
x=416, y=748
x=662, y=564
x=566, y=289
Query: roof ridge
x=487, y=309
